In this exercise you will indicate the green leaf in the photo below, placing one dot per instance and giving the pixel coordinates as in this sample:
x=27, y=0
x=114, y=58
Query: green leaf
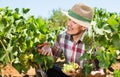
x=1, y=27
x=16, y=16
x=17, y=10
x=87, y=68
x=41, y=26
x=3, y=57
x=116, y=73
x=42, y=37
x=25, y=10
x=29, y=43
x=113, y=22
x=116, y=41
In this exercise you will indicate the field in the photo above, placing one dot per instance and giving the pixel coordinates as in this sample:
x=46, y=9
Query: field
x=21, y=33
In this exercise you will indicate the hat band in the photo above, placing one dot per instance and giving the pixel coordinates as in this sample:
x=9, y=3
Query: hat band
x=71, y=13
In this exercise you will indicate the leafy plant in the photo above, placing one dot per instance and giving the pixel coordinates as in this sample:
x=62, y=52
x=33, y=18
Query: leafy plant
x=19, y=36
x=116, y=73
x=106, y=58
x=102, y=39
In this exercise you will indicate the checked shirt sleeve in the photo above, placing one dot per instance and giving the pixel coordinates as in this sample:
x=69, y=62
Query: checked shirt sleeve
x=56, y=50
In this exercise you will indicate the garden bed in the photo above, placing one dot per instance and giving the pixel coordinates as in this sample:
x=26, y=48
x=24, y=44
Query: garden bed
x=10, y=71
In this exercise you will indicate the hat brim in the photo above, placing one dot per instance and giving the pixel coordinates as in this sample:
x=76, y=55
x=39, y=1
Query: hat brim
x=80, y=22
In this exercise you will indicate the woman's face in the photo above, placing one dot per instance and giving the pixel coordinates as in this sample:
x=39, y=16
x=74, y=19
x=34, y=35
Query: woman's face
x=74, y=28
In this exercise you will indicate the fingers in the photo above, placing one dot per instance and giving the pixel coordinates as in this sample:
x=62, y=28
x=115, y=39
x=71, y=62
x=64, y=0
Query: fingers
x=39, y=50
x=46, y=53
x=70, y=73
x=50, y=54
x=44, y=49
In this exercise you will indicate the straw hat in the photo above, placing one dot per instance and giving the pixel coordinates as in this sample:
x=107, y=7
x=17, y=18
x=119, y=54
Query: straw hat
x=81, y=14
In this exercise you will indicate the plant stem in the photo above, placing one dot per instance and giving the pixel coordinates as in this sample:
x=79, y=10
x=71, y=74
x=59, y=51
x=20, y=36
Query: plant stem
x=5, y=51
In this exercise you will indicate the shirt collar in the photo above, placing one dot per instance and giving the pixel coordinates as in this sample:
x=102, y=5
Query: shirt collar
x=69, y=37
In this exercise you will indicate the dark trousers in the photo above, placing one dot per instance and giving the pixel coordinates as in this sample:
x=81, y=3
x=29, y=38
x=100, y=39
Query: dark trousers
x=56, y=72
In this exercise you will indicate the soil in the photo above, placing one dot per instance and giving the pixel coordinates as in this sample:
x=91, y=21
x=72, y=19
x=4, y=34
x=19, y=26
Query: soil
x=115, y=66
x=10, y=71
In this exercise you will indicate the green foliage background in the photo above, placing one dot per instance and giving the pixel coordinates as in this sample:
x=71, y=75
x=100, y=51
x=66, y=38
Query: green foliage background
x=20, y=33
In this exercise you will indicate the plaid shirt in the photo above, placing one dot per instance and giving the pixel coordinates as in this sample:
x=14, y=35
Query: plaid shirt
x=72, y=51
